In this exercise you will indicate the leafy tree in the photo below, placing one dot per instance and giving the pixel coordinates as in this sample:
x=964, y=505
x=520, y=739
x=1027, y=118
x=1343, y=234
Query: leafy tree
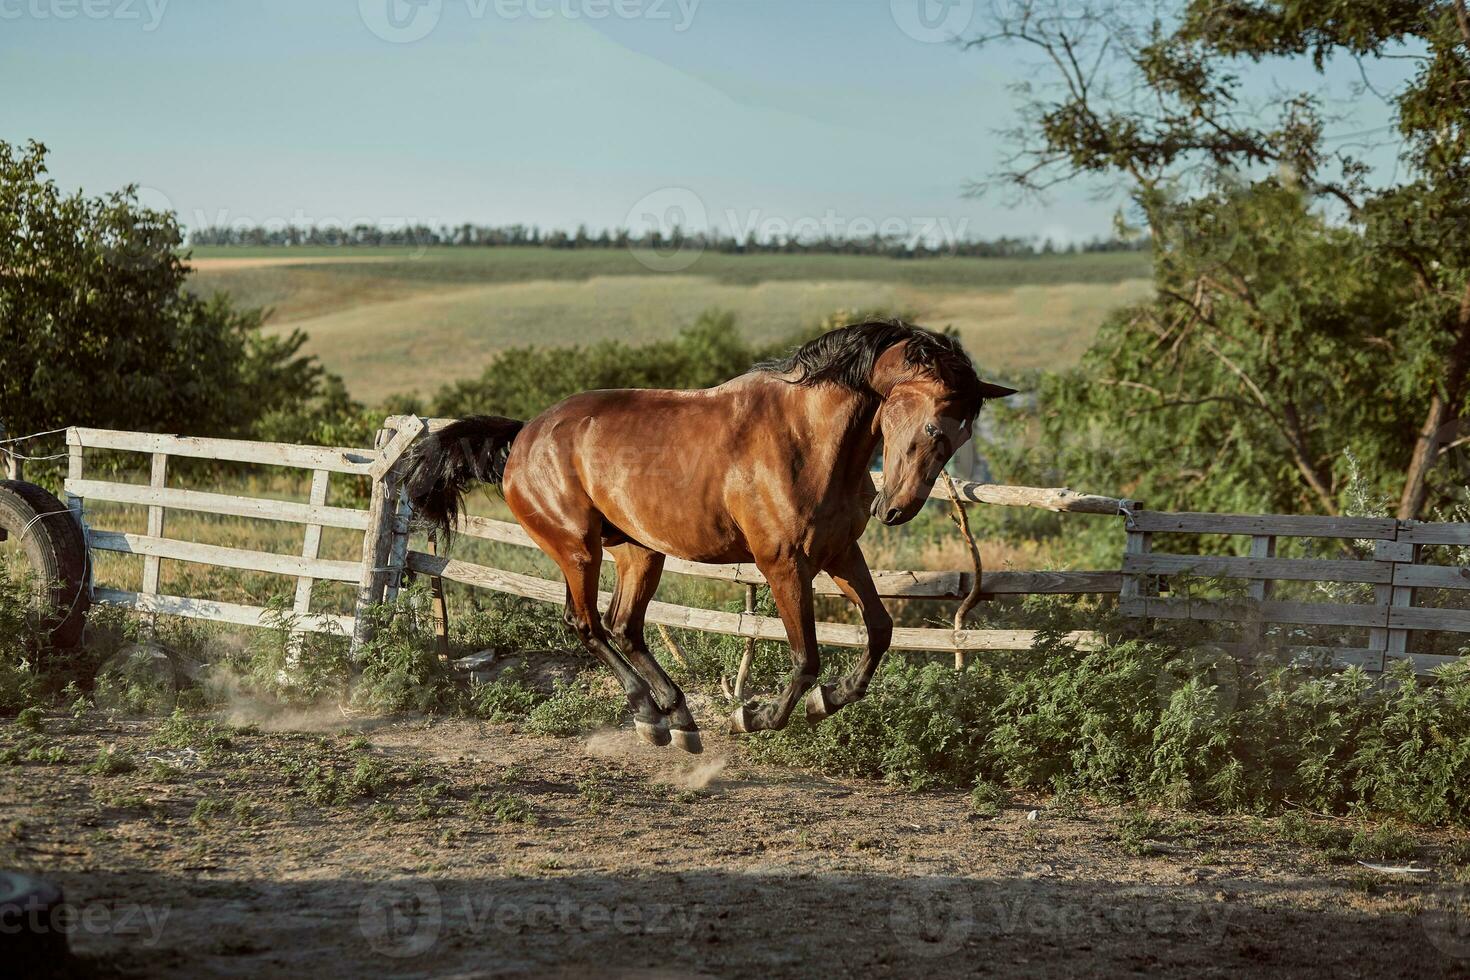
x=1304, y=304
x=96, y=327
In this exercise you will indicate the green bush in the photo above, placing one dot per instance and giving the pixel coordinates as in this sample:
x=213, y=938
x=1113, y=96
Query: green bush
x=400, y=670
x=575, y=708
x=1151, y=721
x=507, y=698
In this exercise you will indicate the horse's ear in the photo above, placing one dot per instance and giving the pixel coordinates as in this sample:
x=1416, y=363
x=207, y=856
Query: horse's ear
x=989, y=391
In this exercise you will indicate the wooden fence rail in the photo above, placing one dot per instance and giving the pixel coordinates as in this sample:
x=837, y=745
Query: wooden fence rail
x=159, y=499
x=1394, y=571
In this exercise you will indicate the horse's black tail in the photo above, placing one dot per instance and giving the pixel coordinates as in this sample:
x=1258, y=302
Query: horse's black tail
x=444, y=464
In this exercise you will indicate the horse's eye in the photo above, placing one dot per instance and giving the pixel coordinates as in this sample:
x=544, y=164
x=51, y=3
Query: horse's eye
x=932, y=430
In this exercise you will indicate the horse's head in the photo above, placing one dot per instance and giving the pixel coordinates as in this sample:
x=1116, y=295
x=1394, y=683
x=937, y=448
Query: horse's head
x=929, y=408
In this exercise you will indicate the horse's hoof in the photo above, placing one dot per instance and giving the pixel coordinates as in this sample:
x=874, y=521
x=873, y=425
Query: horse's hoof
x=651, y=732
x=688, y=740
x=817, y=705
x=740, y=721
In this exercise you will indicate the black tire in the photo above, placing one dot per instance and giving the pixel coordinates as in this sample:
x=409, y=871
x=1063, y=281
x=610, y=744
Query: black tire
x=45, y=530
x=32, y=941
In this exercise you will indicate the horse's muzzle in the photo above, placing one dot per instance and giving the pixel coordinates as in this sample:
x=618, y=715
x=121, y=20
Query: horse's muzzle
x=886, y=514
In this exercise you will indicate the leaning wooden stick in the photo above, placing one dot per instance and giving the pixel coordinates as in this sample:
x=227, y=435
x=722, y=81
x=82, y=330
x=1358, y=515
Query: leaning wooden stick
x=675, y=651
x=962, y=521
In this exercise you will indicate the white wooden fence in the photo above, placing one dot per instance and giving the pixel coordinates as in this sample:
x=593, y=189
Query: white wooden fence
x=386, y=556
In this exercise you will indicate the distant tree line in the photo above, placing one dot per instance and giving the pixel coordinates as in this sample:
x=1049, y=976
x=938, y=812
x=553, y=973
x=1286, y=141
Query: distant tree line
x=532, y=236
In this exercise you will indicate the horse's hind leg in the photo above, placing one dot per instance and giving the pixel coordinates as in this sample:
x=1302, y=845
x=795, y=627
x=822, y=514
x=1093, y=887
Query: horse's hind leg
x=580, y=559
x=638, y=573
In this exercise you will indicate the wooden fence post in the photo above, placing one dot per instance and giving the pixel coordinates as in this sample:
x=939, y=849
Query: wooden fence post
x=152, y=564
x=311, y=544
x=1259, y=590
x=8, y=457
x=383, y=513
x=74, y=464
x=1394, y=642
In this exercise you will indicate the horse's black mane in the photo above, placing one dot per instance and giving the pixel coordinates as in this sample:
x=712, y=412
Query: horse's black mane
x=846, y=357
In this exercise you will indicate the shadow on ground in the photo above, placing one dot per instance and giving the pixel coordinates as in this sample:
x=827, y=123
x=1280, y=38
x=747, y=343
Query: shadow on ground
x=760, y=923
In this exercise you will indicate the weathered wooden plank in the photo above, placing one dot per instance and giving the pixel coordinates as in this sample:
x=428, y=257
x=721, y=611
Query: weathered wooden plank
x=406, y=429
x=1059, y=499
x=891, y=584
x=74, y=464
x=1282, y=569
x=1276, y=525
x=208, y=554
x=1368, y=658
x=1365, y=657
x=1245, y=610
x=1137, y=545
x=1426, y=663
x=1400, y=598
x=1378, y=636
x=1417, y=617
x=733, y=624
x=1432, y=532
x=377, y=549
x=335, y=459
x=1387, y=551
x=219, y=503
x=152, y=565
x=1263, y=548
x=311, y=542
x=1432, y=576
x=219, y=612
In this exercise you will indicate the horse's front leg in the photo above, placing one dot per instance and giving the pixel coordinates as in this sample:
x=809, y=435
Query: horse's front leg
x=850, y=573
x=791, y=588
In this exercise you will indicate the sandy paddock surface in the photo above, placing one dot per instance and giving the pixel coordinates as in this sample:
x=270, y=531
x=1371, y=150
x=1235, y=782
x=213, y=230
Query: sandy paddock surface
x=480, y=852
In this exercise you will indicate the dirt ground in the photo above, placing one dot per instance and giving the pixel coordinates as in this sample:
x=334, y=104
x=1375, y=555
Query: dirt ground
x=461, y=849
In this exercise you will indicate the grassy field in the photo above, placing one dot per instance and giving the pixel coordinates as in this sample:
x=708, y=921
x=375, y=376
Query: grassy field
x=399, y=320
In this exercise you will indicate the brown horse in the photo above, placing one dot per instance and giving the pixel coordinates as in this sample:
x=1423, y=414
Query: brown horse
x=771, y=467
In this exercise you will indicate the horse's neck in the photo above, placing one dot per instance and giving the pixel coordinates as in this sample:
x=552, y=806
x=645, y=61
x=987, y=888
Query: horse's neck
x=849, y=419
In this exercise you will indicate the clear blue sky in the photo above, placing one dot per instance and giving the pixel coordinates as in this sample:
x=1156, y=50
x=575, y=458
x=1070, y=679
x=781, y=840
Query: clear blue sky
x=532, y=111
